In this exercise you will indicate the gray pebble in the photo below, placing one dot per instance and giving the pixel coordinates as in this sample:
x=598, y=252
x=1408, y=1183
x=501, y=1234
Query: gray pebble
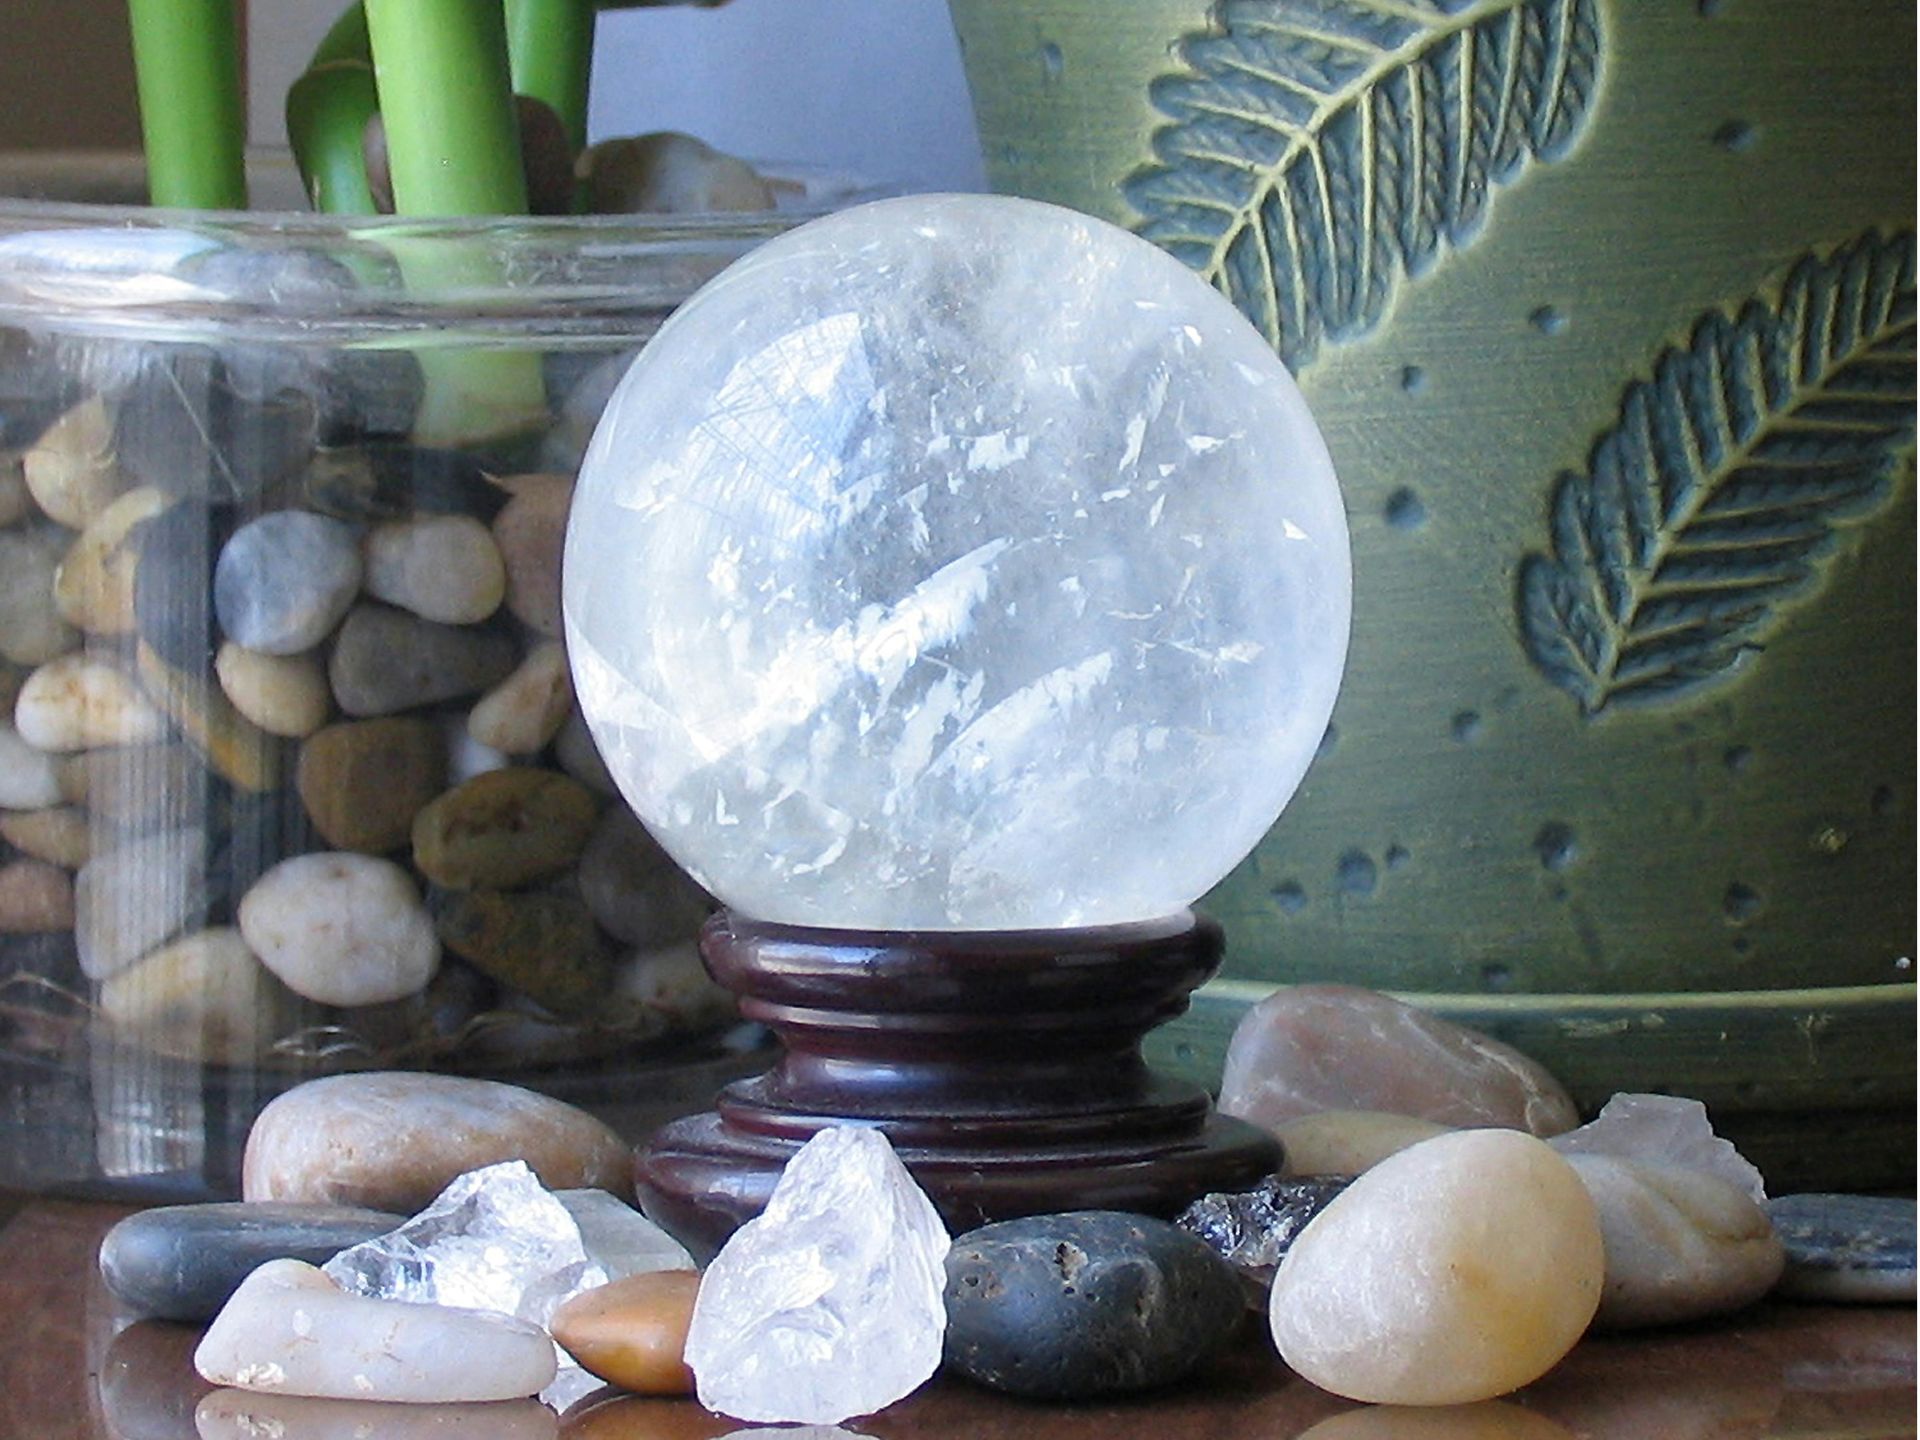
x=284, y=581
x=129, y=900
x=635, y=891
x=386, y=661
x=1846, y=1248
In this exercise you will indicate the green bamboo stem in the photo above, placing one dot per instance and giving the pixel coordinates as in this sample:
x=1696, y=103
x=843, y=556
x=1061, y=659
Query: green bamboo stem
x=327, y=113
x=453, y=140
x=186, y=57
x=347, y=40
x=550, y=51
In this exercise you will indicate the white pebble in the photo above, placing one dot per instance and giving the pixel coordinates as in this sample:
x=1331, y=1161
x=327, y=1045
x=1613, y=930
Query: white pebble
x=203, y=998
x=341, y=928
x=94, y=586
x=29, y=779
x=524, y=711
x=77, y=703
x=441, y=567
x=291, y=1330
x=1457, y=1270
x=71, y=470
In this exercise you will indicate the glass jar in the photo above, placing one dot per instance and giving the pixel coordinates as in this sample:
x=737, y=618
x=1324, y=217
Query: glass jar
x=291, y=780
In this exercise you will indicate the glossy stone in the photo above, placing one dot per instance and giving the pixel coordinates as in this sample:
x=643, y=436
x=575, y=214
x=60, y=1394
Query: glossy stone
x=1348, y=1142
x=828, y=1304
x=1069, y=1307
x=1664, y=1130
x=1455, y=1271
x=444, y=568
x=1253, y=1230
x=1681, y=1244
x=504, y=828
x=1850, y=1249
x=289, y=1330
x=386, y=660
x=633, y=1332
x=183, y=1262
x=285, y=580
x=1310, y=1048
x=363, y=781
x=341, y=928
x=395, y=1140
x=957, y=563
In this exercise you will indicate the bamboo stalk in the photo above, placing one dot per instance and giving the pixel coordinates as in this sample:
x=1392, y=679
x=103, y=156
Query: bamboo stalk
x=187, y=64
x=550, y=51
x=327, y=113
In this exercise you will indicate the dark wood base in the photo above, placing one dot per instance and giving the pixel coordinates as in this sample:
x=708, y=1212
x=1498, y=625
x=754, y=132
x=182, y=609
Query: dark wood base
x=1004, y=1066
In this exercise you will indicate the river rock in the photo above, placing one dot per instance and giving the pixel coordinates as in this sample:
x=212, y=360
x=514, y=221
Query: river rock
x=395, y=1140
x=183, y=1262
x=1309, y=1048
x=173, y=592
x=58, y=835
x=78, y=703
x=1663, y=1130
x=35, y=898
x=1846, y=1249
x=574, y=748
x=540, y=943
x=136, y=787
x=862, y=1329
x=1455, y=1271
x=284, y=695
x=341, y=928
x=1348, y=1142
x=634, y=888
x=285, y=580
x=363, y=781
x=531, y=532
x=29, y=779
x=290, y=1330
x=1068, y=1307
x=72, y=470
x=236, y=749
x=391, y=480
x=633, y=1332
x=16, y=501
x=441, y=567
x=1252, y=1230
x=31, y=630
x=137, y=896
x=93, y=588
x=386, y=660
x=244, y=1415
x=503, y=829
x=204, y=998
x=524, y=712
x=670, y=992
x=667, y=173
x=1680, y=1244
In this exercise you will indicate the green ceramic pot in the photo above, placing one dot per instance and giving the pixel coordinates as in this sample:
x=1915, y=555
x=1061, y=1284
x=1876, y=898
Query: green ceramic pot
x=1607, y=310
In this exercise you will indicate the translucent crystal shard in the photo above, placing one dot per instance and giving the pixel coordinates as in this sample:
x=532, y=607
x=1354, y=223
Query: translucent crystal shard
x=1253, y=1229
x=1663, y=1130
x=618, y=1238
x=829, y=1304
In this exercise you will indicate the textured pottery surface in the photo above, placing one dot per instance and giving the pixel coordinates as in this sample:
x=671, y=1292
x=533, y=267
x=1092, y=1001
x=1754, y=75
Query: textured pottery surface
x=1606, y=310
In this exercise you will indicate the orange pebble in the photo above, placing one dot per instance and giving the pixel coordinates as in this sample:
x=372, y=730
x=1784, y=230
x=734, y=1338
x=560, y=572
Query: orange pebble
x=633, y=1333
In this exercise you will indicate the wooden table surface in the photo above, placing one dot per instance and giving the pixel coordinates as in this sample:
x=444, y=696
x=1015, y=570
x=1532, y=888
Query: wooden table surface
x=72, y=1368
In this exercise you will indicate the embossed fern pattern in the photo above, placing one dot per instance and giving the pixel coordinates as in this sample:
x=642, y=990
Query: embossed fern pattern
x=1714, y=497
x=1318, y=150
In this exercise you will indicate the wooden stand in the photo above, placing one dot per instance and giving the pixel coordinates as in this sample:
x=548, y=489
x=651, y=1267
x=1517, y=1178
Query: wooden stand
x=1004, y=1066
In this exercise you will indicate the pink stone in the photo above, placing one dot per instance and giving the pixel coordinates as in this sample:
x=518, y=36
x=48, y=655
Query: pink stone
x=1310, y=1048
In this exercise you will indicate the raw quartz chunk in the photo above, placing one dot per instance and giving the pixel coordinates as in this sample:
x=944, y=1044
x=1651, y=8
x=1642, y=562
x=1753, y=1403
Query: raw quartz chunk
x=1663, y=1130
x=828, y=1305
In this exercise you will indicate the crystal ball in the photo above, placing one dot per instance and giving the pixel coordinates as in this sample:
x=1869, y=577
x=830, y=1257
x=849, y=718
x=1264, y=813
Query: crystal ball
x=957, y=563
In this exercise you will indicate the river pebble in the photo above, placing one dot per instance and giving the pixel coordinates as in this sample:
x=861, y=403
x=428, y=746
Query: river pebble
x=634, y=889
x=1309, y=1048
x=1681, y=1244
x=29, y=777
x=94, y=586
x=1348, y=1142
x=236, y=749
x=524, y=712
x=135, y=897
x=59, y=835
x=540, y=943
x=1455, y=1271
x=78, y=703
x=1069, y=1307
x=204, y=999
x=183, y=1262
x=35, y=898
x=71, y=470
x=290, y=1330
x=394, y=1140
x=633, y=1332
x=285, y=580
x=385, y=660
x=363, y=781
x=1846, y=1249
x=531, y=532
x=444, y=568
x=284, y=695
x=31, y=629
x=503, y=829
x=341, y=928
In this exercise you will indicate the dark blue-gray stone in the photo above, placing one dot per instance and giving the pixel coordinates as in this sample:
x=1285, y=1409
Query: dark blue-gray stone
x=1092, y=1303
x=1848, y=1248
x=182, y=1262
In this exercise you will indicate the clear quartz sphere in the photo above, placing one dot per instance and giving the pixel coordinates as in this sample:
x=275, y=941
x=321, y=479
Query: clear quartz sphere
x=957, y=563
